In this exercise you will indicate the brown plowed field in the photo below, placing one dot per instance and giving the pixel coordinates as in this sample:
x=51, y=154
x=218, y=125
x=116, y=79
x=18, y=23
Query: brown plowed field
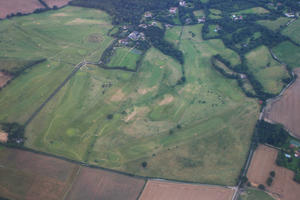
x=95, y=184
x=162, y=190
x=262, y=164
x=14, y=6
x=25, y=175
x=58, y=3
x=3, y=79
x=286, y=110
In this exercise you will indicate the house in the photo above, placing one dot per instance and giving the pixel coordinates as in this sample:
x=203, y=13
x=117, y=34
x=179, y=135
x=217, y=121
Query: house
x=182, y=3
x=143, y=26
x=243, y=76
x=295, y=143
x=153, y=23
x=148, y=14
x=290, y=15
x=168, y=26
x=134, y=35
x=237, y=17
x=173, y=10
x=201, y=20
x=123, y=42
x=287, y=155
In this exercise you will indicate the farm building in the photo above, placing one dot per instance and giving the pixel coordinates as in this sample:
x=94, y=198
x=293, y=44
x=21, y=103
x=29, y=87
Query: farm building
x=173, y=10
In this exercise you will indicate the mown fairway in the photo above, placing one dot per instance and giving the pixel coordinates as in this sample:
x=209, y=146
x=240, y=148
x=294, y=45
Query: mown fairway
x=267, y=71
x=63, y=37
x=199, y=131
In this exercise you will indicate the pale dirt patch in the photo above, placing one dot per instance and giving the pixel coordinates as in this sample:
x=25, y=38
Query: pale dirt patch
x=3, y=137
x=78, y=21
x=143, y=91
x=60, y=15
x=118, y=96
x=4, y=78
x=167, y=100
x=190, y=88
x=140, y=111
x=263, y=162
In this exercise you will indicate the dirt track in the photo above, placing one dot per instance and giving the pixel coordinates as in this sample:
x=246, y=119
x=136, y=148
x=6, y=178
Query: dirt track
x=14, y=6
x=262, y=164
x=286, y=109
x=161, y=190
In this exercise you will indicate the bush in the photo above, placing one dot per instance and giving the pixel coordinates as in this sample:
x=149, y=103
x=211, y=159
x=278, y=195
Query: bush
x=144, y=164
x=262, y=187
x=272, y=174
x=269, y=181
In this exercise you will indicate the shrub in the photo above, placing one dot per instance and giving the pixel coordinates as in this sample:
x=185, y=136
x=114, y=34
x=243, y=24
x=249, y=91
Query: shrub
x=269, y=181
x=272, y=174
x=144, y=164
x=262, y=187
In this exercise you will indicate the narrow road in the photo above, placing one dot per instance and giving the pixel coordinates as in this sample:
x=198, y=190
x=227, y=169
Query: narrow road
x=38, y=110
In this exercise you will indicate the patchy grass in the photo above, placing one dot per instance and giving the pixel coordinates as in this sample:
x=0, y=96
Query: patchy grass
x=288, y=53
x=254, y=194
x=256, y=10
x=199, y=13
x=266, y=70
x=274, y=25
x=293, y=31
x=125, y=57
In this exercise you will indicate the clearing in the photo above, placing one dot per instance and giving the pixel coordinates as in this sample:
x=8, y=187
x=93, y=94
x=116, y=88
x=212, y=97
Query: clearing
x=263, y=162
x=285, y=109
x=163, y=190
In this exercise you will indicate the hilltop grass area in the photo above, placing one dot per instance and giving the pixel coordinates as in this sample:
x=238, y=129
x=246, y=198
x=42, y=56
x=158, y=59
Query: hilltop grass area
x=268, y=71
x=64, y=37
x=119, y=119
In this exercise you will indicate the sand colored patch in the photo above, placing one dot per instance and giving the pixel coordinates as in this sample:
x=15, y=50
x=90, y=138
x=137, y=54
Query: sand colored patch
x=60, y=15
x=190, y=88
x=79, y=21
x=263, y=162
x=286, y=109
x=4, y=78
x=141, y=111
x=3, y=137
x=162, y=190
x=167, y=100
x=118, y=96
x=144, y=91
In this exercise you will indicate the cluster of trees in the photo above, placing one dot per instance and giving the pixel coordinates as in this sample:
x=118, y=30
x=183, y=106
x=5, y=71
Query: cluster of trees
x=17, y=71
x=15, y=132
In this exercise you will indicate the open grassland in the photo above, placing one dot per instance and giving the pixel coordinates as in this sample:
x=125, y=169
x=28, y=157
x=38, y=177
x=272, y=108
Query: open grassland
x=125, y=57
x=293, y=31
x=18, y=6
x=286, y=109
x=288, y=53
x=255, y=10
x=26, y=175
x=53, y=36
x=263, y=162
x=254, y=194
x=173, y=35
x=274, y=25
x=162, y=190
x=199, y=13
x=119, y=119
x=266, y=70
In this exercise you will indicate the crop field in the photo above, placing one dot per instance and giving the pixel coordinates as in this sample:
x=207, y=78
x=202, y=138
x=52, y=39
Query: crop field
x=57, y=3
x=49, y=35
x=162, y=190
x=119, y=119
x=125, y=57
x=263, y=162
x=285, y=110
x=256, y=10
x=288, y=53
x=254, y=194
x=99, y=184
x=267, y=71
x=26, y=175
x=293, y=31
x=274, y=25
x=15, y=6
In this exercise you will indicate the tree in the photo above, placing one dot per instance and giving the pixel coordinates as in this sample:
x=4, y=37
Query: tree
x=269, y=181
x=272, y=174
x=144, y=164
x=262, y=187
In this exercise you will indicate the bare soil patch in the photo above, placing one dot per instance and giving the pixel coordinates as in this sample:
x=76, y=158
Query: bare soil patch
x=79, y=21
x=57, y=3
x=167, y=100
x=4, y=78
x=3, y=137
x=286, y=109
x=100, y=184
x=162, y=190
x=14, y=6
x=143, y=91
x=118, y=96
x=263, y=162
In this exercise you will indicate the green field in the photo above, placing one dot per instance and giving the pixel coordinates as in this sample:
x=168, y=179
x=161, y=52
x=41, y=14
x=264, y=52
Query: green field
x=173, y=35
x=274, y=25
x=54, y=36
x=266, y=70
x=125, y=57
x=288, y=53
x=254, y=194
x=293, y=31
x=256, y=10
x=215, y=14
x=199, y=13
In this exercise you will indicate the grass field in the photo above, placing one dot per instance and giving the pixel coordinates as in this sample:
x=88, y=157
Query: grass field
x=125, y=57
x=255, y=10
x=274, y=25
x=266, y=70
x=254, y=194
x=288, y=53
x=293, y=31
x=199, y=13
x=51, y=35
x=118, y=119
